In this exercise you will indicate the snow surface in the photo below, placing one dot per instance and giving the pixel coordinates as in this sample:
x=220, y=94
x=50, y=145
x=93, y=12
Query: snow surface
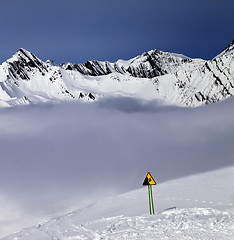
x=155, y=75
x=196, y=207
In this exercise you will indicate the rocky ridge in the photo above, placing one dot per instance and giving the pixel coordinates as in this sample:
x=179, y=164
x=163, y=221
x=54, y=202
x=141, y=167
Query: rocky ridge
x=155, y=75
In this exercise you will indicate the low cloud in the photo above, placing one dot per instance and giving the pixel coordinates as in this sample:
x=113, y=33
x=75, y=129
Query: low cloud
x=54, y=158
x=131, y=105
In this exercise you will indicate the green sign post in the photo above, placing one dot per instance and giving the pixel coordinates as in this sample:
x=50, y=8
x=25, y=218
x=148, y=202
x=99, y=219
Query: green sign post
x=149, y=181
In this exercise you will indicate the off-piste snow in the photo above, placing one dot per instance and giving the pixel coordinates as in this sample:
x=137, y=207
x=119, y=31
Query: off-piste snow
x=194, y=207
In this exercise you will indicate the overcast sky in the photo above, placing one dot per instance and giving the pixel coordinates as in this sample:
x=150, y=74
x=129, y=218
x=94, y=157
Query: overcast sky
x=78, y=30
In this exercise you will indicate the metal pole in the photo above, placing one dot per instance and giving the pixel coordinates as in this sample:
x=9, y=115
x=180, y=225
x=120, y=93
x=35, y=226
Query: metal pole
x=152, y=200
x=149, y=199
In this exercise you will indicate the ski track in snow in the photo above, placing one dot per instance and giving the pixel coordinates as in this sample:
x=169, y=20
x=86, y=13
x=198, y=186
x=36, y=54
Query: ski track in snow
x=192, y=223
x=171, y=224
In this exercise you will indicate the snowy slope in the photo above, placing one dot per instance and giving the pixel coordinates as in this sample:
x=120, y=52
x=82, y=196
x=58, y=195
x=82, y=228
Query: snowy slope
x=154, y=75
x=194, y=207
x=212, y=82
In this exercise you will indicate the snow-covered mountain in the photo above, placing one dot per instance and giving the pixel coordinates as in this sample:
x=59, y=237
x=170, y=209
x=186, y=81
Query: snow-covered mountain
x=154, y=75
x=194, y=207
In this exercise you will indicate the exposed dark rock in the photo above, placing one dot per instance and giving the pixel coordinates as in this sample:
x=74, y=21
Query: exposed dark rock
x=91, y=96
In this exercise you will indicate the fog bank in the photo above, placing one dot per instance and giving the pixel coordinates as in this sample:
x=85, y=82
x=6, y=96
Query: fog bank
x=55, y=158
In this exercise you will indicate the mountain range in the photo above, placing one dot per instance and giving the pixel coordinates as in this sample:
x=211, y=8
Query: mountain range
x=155, y=75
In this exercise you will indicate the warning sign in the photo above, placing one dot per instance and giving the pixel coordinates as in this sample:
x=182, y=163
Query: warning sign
x=149, y=180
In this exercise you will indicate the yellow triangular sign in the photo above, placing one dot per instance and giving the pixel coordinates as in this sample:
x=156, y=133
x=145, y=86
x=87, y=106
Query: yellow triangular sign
x=149, y=180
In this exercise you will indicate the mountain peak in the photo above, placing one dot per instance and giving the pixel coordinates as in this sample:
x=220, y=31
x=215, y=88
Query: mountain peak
x=24, y=51
x=21, y=53
x=227, y=50
x=22, y=64
x=25, y=54
x=155, y=74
